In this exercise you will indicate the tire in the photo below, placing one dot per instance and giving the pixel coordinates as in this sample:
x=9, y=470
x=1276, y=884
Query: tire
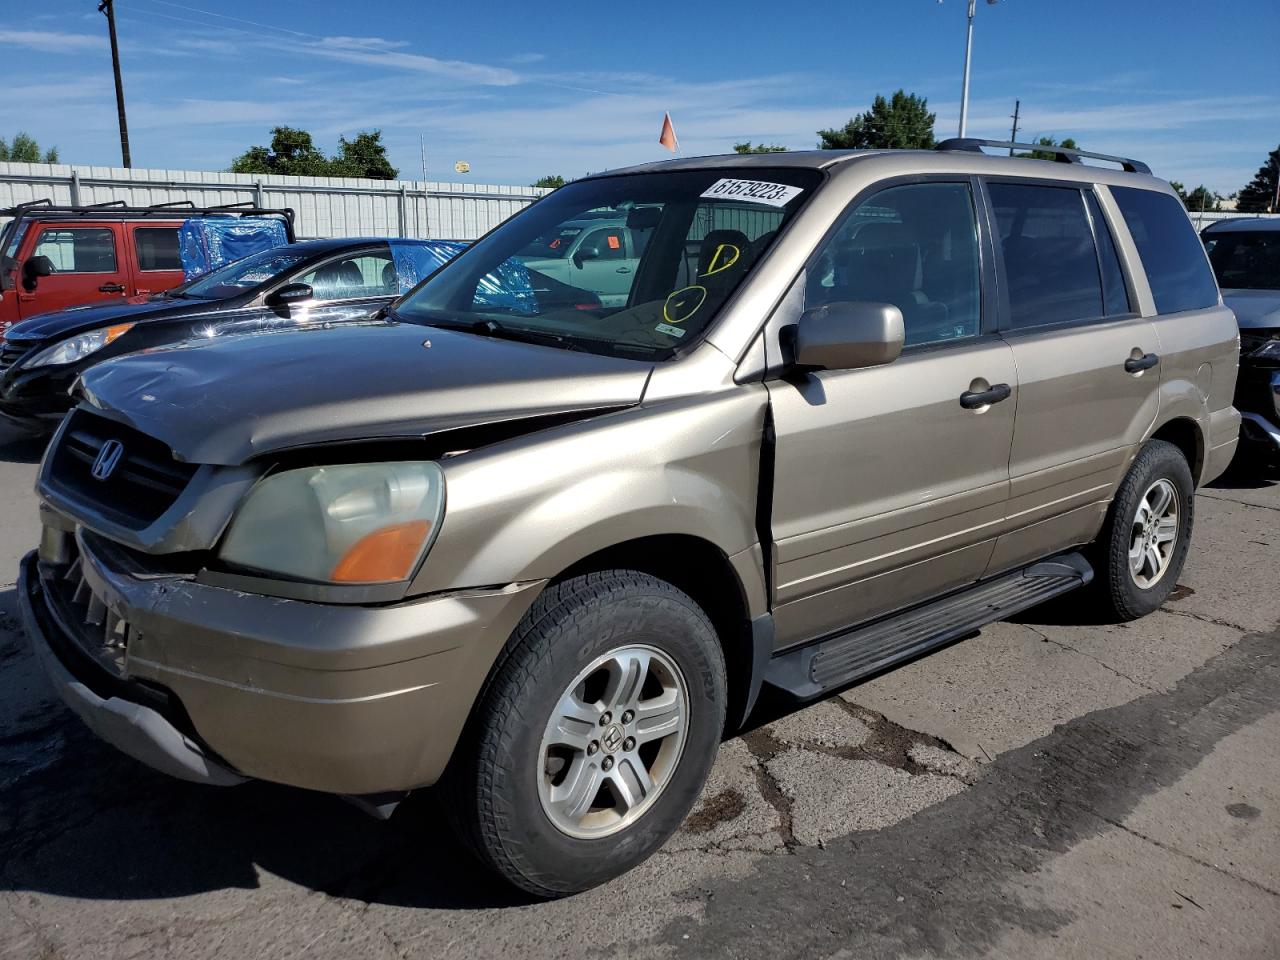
x=1123, y=592
x=517, y=794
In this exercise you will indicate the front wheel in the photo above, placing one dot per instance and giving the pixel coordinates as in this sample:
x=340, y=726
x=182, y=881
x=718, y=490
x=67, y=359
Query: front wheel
x=1148, y=531
x=595, y=735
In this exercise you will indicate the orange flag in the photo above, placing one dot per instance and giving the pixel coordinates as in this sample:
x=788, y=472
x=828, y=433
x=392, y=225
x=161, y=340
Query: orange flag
x=668, y=138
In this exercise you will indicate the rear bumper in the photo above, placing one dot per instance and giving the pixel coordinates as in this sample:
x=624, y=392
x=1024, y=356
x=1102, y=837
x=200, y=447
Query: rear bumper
x=216, y=685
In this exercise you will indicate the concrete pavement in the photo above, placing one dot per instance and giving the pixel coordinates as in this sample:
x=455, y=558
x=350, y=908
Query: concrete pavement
x=1045, y=789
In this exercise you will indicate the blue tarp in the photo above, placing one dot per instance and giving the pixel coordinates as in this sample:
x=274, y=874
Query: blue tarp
x=506, y=288
x=210, y=242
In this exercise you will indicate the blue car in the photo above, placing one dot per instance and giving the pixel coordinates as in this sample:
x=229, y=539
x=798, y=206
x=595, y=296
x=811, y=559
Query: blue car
x=317, y=281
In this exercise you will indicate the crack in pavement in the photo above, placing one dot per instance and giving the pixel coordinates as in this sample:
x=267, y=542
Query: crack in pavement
x=1088, y=656
x=938, y=883
x=1205, y=618
x=1243, y=503
x=1168, y=848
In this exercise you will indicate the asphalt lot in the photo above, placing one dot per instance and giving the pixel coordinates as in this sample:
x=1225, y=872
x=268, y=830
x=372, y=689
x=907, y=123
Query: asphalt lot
x=1046, y=789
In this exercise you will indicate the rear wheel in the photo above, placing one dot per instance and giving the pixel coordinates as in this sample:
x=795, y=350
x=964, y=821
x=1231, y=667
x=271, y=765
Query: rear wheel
x=1148, y=531
x=595, y=735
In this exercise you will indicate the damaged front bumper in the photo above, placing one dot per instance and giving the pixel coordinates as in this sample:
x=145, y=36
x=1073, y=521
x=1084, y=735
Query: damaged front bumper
x=216, y=685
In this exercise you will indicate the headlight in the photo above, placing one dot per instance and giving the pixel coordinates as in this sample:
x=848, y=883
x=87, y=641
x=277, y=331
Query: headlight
x=351, y=523
x=1268, y=351
x=79, y=346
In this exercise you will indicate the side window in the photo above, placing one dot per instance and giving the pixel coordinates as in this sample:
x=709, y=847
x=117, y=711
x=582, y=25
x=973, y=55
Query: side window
x=915, y=247
x=609, y=242
x=350, y=278
x=1050, y=260
x=1171, y=253
x=157, y=248
x=78, y=249
x=1114, y=293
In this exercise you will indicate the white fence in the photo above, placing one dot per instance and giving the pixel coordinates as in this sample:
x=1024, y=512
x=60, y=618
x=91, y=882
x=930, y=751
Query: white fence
x=325, y=206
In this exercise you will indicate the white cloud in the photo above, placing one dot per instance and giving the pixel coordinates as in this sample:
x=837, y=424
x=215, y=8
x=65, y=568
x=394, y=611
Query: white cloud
x=375, y=52
x=52, y=41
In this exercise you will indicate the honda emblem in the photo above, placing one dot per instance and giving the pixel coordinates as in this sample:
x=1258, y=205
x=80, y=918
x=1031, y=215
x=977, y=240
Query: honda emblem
x=108, y=457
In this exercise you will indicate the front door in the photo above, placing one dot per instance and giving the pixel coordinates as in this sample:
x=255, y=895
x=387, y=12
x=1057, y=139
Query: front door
x=88, y=267
x=1087, y=365
x=887, y=488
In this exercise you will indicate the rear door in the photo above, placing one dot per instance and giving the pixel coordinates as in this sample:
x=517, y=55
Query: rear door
x=88, y=261
x=887, y=489
x=1087, y=364
x=157, y=263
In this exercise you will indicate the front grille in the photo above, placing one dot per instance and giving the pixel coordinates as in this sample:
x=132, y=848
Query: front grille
x=144, y=483
x=11, y=351
x=86, y=619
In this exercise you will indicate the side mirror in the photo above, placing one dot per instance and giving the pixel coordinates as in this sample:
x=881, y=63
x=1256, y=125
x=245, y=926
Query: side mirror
x=847, y=335
x=584, y=254
x=34, y=269
x=289, y=293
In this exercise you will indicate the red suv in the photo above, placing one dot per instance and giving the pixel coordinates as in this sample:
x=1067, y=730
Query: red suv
x=54, y=257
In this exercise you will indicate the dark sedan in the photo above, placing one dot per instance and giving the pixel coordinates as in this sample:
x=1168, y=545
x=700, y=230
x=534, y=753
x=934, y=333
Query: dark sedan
x=317, y=281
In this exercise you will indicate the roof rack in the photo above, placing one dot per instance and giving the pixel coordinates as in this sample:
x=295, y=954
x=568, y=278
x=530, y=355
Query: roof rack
x=119, y=208
x=1061, y=154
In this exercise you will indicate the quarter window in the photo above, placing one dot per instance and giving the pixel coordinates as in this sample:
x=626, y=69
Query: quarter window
x=1050, y=260
x=1176, y=266
x=157, y=248
x=79, y=249
x=915, y=247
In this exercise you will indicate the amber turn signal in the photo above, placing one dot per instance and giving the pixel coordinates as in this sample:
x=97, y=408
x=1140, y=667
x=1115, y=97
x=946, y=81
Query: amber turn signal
x=386, y=554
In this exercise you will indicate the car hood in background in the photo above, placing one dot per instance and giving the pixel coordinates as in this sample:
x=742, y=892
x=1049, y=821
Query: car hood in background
x=1254, y=309
x=228, y=400
x=64, y=323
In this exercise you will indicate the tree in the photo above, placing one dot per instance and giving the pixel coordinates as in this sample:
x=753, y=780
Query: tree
x=365, y=156
x=900, y=123
x=1201, y=199
x=1047, y=154
x=24, y=149
x=292, y=152
x=1259, y=195
x=746, y=147
x=551, y=181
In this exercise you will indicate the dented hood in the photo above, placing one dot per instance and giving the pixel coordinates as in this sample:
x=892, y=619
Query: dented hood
x=227, y=400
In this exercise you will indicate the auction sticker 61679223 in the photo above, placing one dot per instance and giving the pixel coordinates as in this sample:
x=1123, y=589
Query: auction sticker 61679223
x=753, y=191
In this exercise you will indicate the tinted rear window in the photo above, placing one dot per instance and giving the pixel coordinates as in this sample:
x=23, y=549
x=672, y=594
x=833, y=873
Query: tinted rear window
x=157, y=248
x=1171, y=252
x=1050, y=261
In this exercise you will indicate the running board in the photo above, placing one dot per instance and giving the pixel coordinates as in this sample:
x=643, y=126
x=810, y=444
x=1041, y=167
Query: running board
x=837, y=661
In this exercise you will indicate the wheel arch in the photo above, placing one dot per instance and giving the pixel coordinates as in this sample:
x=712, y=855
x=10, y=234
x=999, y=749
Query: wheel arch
x=1187, y=435
x=702, y=570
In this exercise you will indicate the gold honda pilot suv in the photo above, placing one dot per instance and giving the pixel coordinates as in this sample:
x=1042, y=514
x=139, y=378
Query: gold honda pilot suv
x=784, y=420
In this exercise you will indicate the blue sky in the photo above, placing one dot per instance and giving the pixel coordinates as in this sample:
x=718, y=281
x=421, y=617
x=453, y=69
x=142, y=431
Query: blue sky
x=520, y=90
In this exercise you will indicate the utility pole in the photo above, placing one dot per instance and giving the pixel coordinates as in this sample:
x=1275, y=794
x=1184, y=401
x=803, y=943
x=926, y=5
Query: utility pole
x=1013, y=137
x=422, y=145
x=108, y=7
x=968, y=55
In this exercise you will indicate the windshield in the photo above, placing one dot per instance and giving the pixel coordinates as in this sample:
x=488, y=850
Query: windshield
x=632, y=265
x=1245, y=261
x=241, y=276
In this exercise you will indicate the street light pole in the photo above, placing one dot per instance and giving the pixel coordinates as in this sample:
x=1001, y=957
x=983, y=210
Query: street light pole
x=107, y=7
x=968, y=55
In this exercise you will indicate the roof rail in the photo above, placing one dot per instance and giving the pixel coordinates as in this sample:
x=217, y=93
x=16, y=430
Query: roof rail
x=119, y=208
x=1061, y=154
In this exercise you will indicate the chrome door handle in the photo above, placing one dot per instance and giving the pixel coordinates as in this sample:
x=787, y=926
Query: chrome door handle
x=972, y=399
x=623, y=270
x=1138, y=364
